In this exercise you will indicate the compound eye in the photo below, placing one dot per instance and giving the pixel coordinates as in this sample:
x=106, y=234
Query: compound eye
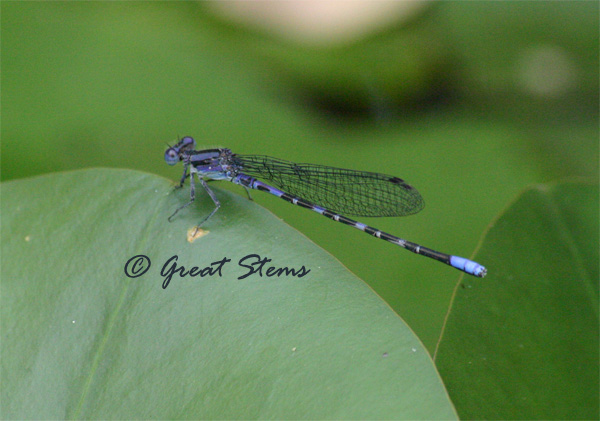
x=188, y=142
x=171, y=156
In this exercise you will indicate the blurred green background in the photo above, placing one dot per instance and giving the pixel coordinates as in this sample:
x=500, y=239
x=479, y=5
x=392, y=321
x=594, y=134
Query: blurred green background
x=470, y=102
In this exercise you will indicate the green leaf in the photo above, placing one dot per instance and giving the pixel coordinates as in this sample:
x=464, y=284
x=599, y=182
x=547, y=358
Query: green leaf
x=523, y=343
x=80, y=339
x=99, y=91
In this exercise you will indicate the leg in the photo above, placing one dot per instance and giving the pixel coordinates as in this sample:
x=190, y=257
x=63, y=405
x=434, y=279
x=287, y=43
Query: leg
x=192, y=195
x=185, y=170
x=248, y=192
x=214, y=199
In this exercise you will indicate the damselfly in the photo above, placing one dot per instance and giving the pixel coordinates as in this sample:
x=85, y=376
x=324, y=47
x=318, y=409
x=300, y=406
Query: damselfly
x=331, y=192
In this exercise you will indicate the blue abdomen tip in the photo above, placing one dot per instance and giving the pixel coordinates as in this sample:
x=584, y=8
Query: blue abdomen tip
x=468, y=266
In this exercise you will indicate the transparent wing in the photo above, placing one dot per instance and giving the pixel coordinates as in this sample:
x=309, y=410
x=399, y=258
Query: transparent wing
x=347, y=192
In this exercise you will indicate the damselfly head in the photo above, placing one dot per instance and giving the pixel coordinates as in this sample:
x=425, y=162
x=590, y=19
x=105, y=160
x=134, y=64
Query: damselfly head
x=173, y=153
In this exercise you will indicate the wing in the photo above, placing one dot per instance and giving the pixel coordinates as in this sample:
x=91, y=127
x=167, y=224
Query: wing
x=347, y=192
